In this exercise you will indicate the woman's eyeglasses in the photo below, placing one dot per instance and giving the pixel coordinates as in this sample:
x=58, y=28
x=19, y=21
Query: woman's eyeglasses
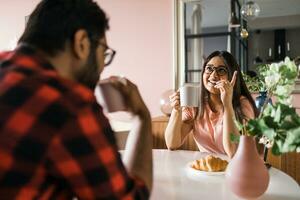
x=221, y=71
x=109, y=54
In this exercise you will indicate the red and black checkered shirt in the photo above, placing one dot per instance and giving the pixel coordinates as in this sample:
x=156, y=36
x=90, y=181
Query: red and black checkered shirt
x=55, y=142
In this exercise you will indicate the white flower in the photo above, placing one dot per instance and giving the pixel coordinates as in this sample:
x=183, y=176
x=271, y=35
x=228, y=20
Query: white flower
x=287, y=60
x=274, y=67
x=284, y=90
x=270, y=144
x=272, y=80
x=278, y=119
x=266, y=141
x=280, y=78
x=263, y=140
x=280, y=90
x=290, y=64
x=286, y=100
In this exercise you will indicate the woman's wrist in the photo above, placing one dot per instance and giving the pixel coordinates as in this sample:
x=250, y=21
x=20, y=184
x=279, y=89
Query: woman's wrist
x=228, y=107
x=176, y=110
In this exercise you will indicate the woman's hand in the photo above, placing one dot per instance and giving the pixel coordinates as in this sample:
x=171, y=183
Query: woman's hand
x=175, y=100
x=226, y=89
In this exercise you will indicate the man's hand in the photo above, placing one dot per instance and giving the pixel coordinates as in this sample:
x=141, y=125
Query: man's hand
x=131, y=95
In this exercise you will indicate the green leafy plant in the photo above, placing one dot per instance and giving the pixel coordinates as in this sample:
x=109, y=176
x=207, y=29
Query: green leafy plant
x=254, y=84
x=280, y=80
x=257, y=83
x=278, y=125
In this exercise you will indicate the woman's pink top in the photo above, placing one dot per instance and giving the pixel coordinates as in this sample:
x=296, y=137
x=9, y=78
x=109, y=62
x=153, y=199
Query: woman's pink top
x=208, y=131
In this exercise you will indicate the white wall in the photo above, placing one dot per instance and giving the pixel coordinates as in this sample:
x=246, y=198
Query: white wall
x=12, y=20
x=141, y=32
x=279, y=22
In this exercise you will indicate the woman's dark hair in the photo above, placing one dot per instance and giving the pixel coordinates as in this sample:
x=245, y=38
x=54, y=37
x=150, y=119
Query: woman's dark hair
x=54, y=22
x=240, y=88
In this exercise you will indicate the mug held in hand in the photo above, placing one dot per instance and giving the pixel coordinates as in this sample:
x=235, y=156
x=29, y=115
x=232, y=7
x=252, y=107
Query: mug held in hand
x=109, y=97
x=189, y=95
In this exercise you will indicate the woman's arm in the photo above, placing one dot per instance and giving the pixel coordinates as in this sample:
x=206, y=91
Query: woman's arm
x=226, y=91
x=229, y=125
x=228, y=128
x=176, y=129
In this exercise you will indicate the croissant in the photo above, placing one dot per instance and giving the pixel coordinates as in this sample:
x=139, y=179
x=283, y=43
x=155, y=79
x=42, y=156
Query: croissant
x=210, y=164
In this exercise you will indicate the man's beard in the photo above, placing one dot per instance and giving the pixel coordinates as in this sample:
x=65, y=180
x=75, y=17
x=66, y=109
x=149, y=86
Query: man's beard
x=89, y=74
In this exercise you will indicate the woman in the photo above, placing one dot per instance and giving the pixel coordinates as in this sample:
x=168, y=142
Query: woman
x=224, y=98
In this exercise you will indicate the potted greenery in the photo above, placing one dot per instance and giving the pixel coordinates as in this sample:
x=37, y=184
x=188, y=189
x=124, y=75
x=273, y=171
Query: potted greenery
x=257, y=84
x=278, y=127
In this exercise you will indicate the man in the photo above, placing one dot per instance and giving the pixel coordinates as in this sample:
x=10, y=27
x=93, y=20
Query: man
x=55, y=142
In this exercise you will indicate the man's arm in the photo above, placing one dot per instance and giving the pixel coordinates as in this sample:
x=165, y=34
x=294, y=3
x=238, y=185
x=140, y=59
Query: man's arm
x=137, y=157
x=84, y=154
x=138, y=151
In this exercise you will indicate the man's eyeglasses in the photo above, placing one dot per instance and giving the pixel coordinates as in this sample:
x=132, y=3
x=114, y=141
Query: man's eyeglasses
x=109, y=54
x=221, y=71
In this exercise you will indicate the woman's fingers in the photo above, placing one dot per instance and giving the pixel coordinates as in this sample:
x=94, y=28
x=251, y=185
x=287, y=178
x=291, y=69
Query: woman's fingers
x=222, y=89
x=233, y=80
x=174, y=94
x=226, y=82
x=175, y=104
x=222, y=84
x=175, y=100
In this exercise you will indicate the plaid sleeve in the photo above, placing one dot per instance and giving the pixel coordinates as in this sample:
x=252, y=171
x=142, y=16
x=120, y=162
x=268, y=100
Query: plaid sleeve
x=85, y=155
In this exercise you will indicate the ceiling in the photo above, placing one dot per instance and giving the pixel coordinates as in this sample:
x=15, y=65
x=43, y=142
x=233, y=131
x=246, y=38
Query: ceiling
x=216, y=12
x=272, y=8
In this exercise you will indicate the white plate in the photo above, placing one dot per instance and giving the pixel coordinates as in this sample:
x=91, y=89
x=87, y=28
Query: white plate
x=194, y=172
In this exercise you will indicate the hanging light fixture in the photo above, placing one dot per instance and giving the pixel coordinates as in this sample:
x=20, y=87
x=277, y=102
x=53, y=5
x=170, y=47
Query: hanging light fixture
x=244, y=33
x=250, y=10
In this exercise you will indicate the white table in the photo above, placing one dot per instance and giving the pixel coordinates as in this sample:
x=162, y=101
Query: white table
x=172, y=182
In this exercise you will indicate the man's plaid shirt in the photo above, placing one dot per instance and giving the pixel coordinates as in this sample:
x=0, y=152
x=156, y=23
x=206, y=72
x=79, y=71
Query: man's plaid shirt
x=55, y=142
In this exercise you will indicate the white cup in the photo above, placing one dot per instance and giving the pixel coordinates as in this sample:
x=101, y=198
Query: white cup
x=109, y=97
x=189, y=95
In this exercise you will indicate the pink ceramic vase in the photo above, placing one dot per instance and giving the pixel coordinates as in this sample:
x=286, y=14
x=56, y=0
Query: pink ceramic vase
x=246, y=174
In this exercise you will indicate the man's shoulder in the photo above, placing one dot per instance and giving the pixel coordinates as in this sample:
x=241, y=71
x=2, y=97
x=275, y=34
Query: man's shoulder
x=29, y=75
x=71, y=92
x=49, y=84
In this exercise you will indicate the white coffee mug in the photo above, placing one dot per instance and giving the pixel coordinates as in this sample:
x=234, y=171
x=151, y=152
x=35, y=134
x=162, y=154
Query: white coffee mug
x=109, y=97
x=189, y=95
